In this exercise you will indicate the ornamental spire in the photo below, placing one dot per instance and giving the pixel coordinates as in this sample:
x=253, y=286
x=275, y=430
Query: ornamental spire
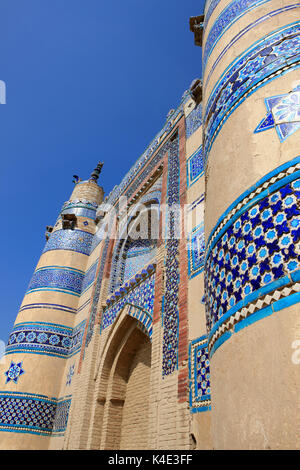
x=96, y=173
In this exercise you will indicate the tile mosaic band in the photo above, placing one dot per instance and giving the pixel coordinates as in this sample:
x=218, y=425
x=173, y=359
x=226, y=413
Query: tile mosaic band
x=57, y=278
x=45, y=338
x=34, y=414
x=274, y=55
x=193, y=120
x=73, y=240
x=233, y=12
x=243, y=32
x=89, y=277
x=251, y=262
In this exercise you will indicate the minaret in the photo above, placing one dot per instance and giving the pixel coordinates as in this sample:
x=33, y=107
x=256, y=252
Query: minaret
x=43, y=335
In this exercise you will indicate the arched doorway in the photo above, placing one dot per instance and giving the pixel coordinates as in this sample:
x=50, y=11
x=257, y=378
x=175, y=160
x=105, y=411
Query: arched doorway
x=124, y=382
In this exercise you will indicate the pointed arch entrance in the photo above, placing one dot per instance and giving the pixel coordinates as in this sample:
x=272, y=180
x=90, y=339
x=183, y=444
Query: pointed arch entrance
x=121, y=414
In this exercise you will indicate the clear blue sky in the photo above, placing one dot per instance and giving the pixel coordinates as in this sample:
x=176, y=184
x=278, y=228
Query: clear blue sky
x=87, y=80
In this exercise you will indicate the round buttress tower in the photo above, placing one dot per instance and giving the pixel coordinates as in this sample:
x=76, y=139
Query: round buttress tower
x=251, y=125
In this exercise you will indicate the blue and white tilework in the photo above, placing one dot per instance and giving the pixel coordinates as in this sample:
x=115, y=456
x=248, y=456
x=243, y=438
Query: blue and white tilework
x=50, y=306
x=73, y=240
x=58, y=279
x=138, y=255
x=61, y=416
x=80, y=208
x=193, y=121
x=195, y=167
x=45, y=338
x=141, y=298
x=283, y=114
x=199, y=375
x=172, y=275
x=251, y=253
x=33, y=414
x=196, y=249
x=89, y=277
x=14, y=372
x=244, y=31
x=274, y=55
x=234, y=11
x=70, y=375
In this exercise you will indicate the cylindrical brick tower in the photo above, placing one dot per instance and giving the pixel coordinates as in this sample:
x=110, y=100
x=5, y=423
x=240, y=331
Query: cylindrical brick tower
x=45, y=332
x=251, y=125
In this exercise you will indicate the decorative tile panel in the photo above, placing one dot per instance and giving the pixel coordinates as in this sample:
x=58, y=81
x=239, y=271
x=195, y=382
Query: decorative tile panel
x=14, y=372
x=73, y=240
x=199, y=375
x=33, y=414
x=140, y=298
x=45, y=338
x=139, y=254
x=252, y=251
x=195, y=167
x=193, y=121
x=57, y=278
x=171, y=297
x=196, y=248
x=276, y=54
x=283, y=114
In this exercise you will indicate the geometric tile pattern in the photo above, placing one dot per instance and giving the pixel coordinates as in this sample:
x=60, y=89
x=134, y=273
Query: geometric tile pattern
x=57, y=278
x=140, y=297
x=45, y=338
x=31, y=413
x=195, y=167
x=73, y=240
x=138, y=254
x=14, y=372
x=171, y=295
x=193, y=121
x=233, y=12
x=199, y=375
x=254, y=252
x=196, y=249
x=274, y=55
x=283, y=114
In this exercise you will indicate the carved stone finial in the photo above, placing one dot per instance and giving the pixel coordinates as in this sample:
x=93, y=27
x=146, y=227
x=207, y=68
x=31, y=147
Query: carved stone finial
x=96, y=173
